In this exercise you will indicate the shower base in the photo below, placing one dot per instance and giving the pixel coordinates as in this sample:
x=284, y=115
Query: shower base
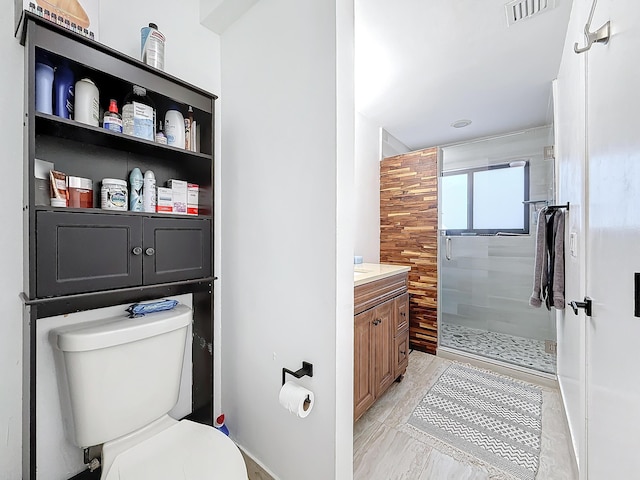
x=521, y=351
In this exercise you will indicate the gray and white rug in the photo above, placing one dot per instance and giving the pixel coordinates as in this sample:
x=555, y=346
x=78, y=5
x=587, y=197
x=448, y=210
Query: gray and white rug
x=492, y=417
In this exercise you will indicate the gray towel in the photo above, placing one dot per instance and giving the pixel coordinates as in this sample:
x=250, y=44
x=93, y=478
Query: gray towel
x=540, y=266
x=547, y=261
x=558, y=260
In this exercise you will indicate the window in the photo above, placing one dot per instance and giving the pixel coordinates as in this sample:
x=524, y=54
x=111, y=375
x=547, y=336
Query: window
x=486, y=200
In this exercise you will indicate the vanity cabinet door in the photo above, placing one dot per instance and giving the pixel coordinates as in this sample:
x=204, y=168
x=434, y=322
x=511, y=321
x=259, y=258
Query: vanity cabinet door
x=363, y=377
x=85, y=252
x=383, y=346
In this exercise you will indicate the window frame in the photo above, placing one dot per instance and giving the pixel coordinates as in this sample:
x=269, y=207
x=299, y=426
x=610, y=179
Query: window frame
x=490, y=231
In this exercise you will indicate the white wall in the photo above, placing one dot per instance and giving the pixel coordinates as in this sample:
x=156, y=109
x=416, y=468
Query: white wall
x=367, y=190
x=11, y=104
x=199, y=65
x=286, y=265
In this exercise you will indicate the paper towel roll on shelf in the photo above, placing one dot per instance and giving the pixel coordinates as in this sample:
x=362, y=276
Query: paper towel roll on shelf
x=296, y=399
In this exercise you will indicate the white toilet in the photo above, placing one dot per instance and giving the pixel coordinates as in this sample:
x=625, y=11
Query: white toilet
x=123, y=376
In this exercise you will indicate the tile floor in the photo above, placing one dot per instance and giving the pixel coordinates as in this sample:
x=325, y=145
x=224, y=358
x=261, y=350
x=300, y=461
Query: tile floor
x=382, y=451
x=499, y=346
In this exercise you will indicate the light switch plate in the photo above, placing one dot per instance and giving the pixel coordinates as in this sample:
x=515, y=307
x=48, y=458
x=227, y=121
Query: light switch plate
x=573, y=244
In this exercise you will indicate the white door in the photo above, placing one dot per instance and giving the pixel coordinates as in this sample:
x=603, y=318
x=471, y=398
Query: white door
x=613, y=244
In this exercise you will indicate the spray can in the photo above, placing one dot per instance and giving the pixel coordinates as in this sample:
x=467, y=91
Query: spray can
x=136, y=183
x=149, y=192
x=152, y=46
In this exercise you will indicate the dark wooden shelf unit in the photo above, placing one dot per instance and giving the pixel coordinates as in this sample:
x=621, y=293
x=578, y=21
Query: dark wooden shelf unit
x=80, y=259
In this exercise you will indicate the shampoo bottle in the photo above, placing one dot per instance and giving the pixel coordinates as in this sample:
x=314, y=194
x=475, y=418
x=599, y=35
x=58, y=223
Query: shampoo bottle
x=136, y=183
x=63, y=86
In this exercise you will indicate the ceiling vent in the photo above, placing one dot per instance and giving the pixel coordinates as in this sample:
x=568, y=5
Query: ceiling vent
x=520, y=10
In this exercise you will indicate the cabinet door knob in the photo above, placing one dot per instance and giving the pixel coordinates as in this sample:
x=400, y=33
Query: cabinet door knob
x=150, y=251
x=136, y=250
x=377, y=321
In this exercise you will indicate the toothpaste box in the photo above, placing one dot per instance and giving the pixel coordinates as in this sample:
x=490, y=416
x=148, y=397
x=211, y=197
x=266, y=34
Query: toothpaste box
x=192, y=198
x=164, y=203
x=179, y=192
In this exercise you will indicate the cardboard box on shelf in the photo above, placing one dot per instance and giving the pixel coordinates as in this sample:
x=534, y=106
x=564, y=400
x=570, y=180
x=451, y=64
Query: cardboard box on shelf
x=192, y=198
x=79, y=16
x=164, y=203
x=179, y=192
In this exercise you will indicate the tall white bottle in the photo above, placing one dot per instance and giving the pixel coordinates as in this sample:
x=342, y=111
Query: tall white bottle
x=149, y=192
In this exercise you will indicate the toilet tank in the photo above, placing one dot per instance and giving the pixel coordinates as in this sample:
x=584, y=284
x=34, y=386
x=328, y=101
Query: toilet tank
x=122, y=373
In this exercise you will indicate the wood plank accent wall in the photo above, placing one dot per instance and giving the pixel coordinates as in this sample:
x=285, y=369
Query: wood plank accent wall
x=409, y=235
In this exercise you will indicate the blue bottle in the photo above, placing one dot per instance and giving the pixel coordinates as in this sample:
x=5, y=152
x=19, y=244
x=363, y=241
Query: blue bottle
x=136, y=182
x=44, y=87
x=63, y=84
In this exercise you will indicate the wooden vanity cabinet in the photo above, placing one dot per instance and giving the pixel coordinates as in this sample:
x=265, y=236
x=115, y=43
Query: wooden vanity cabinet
x=381, y=338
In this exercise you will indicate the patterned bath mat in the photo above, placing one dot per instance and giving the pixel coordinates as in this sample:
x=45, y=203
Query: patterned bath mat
x=489, y=416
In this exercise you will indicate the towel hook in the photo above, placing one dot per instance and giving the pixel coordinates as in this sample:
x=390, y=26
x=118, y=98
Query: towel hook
x=599, y=36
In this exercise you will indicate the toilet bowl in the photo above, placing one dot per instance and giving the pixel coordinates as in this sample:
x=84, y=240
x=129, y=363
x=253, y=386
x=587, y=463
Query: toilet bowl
x=123, y=377
x=173, y=450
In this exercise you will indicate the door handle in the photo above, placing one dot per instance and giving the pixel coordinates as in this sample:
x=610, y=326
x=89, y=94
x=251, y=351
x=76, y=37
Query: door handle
x=586, y=305
x=447, y=248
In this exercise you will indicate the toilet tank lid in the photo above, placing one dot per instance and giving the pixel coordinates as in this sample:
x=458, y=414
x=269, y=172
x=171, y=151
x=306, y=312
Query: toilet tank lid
x=120, y=329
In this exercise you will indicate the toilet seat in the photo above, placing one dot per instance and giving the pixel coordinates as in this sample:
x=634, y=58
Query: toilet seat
x=175, y=450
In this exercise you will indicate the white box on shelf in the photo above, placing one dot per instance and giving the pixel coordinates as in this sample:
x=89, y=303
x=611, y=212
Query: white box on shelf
x=79, y=16
x=164, y=202
x=179, y=192
x=193, y=191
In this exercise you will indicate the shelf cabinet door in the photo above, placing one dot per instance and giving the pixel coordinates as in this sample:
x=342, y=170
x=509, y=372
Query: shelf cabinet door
x=78, y=252
x=176, y=249
x=363, y=375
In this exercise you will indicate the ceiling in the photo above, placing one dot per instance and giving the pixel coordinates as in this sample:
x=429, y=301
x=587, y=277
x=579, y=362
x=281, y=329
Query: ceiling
x=423, y=64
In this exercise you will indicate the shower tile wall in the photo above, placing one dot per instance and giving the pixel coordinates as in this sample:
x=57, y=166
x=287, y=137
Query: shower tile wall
x=487, y=283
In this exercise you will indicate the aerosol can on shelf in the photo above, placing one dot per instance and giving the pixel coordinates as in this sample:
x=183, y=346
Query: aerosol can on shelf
x=149, y=192
x=136, y=182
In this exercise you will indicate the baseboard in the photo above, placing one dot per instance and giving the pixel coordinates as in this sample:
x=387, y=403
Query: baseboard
x=258, y=463
x=567, y=425
x=521, y=373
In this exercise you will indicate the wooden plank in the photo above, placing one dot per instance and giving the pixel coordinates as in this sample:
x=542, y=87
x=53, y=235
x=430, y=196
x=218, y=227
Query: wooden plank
x=409, y=235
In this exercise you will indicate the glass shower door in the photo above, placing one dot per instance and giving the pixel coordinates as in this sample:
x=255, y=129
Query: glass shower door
x=486, y=275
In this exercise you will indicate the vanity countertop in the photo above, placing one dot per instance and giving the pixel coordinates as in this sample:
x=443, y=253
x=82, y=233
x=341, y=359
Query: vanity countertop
x=368, y=272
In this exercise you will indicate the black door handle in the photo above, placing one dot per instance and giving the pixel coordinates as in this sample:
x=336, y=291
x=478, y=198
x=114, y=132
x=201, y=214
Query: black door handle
x=586, y=305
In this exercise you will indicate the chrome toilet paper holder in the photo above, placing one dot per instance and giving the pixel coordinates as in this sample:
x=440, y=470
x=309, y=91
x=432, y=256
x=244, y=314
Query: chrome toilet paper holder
x=306, y=370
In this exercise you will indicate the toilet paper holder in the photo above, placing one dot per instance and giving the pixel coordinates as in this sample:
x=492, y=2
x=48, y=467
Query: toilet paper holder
x=306, y=370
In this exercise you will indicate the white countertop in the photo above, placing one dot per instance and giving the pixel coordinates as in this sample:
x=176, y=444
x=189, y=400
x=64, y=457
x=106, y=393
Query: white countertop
x=368, y=272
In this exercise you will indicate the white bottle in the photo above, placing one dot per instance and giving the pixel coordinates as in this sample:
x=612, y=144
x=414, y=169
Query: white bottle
x=174, y=128
x=87, y=103
x=149, y=192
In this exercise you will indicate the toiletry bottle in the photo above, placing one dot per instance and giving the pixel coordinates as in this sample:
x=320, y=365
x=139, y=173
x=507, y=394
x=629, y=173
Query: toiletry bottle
x=136, y=183
x=87, y=103
x=160, y=136
x=219, y=424
x=149, y=192
x=139, y=114
x=174, y=128
x=44, y=87
x=112, y=119
x=63, y=87
x=187, y=129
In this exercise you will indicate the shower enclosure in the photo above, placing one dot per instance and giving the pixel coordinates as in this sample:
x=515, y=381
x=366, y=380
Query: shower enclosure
x=491, y=192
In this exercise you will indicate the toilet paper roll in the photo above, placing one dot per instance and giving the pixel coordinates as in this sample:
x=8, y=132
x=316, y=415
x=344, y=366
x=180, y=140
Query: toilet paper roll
x=297, y=399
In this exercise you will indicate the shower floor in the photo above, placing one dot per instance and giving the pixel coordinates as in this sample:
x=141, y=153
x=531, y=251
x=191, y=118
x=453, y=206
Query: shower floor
x=521, y=351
